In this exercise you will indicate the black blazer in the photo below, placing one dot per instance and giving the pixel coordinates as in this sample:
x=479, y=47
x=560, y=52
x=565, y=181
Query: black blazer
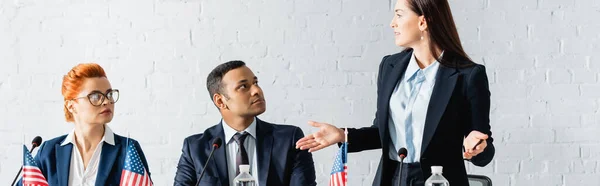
x=279, y=162
x=460, y=103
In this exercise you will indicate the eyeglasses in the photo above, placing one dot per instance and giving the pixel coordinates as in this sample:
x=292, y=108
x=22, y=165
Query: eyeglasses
x=96, y=98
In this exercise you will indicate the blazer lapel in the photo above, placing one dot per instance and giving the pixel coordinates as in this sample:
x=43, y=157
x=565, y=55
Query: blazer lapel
x=63, y=162
x=107, y=159
x=442, y=91
x=220, y=157
x=396, y=71
x=264, y=146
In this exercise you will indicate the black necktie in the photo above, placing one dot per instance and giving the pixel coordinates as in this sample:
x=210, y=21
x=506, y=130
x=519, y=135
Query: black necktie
x=241, y=157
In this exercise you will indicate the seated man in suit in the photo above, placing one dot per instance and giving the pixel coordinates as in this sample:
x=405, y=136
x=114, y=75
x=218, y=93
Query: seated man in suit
x=268, y=148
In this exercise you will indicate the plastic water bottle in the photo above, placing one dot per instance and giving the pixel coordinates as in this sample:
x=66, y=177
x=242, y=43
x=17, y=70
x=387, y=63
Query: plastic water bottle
x=244, y=178
x=436, y=178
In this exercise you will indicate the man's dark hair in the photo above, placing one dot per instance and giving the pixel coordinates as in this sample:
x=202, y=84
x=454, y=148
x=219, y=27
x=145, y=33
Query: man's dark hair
x=213, y=81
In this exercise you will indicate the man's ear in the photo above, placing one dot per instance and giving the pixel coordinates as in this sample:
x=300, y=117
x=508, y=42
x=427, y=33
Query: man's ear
x=220, y=101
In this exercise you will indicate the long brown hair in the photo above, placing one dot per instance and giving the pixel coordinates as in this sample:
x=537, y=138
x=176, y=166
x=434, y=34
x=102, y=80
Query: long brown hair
x=442, y=32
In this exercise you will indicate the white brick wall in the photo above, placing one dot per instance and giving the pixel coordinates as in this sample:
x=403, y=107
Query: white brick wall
x=317, y=60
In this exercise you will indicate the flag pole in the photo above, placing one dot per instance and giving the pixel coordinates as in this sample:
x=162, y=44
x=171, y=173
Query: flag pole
x=127, y=143
x=346, y=141
x=346, y=135
x=346, y=155
x=22, y=157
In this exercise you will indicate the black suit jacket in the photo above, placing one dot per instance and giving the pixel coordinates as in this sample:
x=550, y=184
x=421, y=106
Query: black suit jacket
x=279, y=162
x=459, y=104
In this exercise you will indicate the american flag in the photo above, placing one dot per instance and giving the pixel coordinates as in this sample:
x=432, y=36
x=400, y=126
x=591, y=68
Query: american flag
x=32, y=175
x=340, y=170
x=134, y=173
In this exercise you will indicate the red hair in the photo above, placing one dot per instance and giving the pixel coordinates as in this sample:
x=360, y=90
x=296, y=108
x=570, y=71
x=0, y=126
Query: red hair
x=72, y=82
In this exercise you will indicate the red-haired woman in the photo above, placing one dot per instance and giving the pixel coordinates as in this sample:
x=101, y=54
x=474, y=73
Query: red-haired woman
x=91, y=154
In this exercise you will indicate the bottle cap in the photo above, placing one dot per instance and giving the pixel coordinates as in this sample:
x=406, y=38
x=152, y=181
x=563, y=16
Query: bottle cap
x=436, y=169
x=245, y=168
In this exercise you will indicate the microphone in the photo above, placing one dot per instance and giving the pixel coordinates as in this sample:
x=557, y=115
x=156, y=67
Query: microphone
x=216, y=144
x=402, y=154
x=37, y=141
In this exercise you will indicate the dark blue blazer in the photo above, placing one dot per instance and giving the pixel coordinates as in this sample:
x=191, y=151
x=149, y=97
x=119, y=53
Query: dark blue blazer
x=279, y=162
x=460, y=103
x=55, y=161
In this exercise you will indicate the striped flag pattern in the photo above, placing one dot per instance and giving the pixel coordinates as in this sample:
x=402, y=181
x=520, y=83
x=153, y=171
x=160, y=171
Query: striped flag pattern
x=134, y=173
x=339, y=171
x=32, y=175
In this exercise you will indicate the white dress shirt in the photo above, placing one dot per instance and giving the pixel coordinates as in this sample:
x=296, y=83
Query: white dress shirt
x=78, y=175
x=399, y=109
x=232, y=149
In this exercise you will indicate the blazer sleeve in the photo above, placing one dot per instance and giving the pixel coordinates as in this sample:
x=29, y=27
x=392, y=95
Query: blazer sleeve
x=478, y=96
x=367, y=138
x=142, y=157
x=186, y=174
x=303, y=170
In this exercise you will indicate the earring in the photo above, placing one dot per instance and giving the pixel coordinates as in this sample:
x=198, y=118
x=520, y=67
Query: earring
x=421, y=37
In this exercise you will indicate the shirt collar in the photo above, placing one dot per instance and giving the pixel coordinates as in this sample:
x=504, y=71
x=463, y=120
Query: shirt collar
x=230, y=132
x=413, y=67
x=109, y=137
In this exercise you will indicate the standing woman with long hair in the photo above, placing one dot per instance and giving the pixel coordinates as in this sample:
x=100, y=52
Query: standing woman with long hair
x=431, y=99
